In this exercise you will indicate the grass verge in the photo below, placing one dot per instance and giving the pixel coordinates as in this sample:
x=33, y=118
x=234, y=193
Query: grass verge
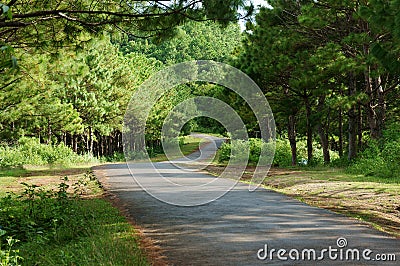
x=373, y=200
x=62, y=221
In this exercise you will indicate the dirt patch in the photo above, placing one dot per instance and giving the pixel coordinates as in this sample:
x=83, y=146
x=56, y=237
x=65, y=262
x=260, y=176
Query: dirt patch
x=77, y=184
x=375, y=203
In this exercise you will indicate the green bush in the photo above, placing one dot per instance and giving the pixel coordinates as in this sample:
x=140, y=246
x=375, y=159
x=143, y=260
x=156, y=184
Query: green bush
x=282, y=151
x=31, y=151
x=116, y=157
x=318, y=155
x=55, y=227
x=380, y=158
x=224, y=152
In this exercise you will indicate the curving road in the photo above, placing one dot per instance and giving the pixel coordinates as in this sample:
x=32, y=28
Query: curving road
x=232, y=229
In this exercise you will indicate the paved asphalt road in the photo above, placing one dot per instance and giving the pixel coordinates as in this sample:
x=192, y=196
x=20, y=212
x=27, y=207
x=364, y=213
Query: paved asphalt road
x=232, y=229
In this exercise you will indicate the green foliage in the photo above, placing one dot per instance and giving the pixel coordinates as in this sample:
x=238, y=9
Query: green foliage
x=49, y=23
x=74, y=95
x=56, y=227
x=380, y=158
x=325, y=67
x=283, y=155
x=31, y=151
x=8, y=255
x=193, y=41
x=282, y=151
x=318, y=157
x=116, y=157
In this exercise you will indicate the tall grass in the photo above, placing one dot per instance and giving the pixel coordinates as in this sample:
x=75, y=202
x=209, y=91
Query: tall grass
x=29, y=151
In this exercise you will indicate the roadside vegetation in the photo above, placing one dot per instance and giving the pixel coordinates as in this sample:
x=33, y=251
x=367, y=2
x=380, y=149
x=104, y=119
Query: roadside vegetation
x=53, y=211
x=58, y=217
x=329, y=69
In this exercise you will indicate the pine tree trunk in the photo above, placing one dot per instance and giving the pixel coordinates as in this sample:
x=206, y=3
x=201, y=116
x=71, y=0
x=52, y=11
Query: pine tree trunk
x=381, y=108
x=75, y=143
x=101, y=143
x=110, y=145
x=352, y=122
x=292, y=138
x=309, y=130
x=376, y=108
x=49, y=132
x=352, y=134
x=91, y=140
x=325, y=144
x=359, y=128
x=322, y=131
x=340, y=133
x=64, y=134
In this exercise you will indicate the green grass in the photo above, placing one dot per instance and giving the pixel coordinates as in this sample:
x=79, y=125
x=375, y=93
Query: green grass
x=339, y=174
x=105, y=239
x=64, y=228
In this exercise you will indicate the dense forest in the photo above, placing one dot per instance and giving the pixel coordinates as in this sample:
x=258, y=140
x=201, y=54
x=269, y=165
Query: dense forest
x=329, y=70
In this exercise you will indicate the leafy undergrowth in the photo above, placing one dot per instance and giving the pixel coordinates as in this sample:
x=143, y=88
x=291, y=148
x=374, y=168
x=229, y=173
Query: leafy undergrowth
x=368, y=198
x=64, y=224
x=189, y=145
x=29, y=151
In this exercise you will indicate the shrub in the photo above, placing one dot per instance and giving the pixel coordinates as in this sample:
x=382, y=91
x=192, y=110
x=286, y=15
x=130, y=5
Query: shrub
x=318, y=155
x=224, y=152
x=380, y=158
x=282, y=151
x=116, y=157
x=31, y=151
x=8, y=255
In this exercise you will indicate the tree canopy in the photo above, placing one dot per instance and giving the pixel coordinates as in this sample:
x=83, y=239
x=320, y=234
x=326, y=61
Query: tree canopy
x=36, y=23
x=325, y=56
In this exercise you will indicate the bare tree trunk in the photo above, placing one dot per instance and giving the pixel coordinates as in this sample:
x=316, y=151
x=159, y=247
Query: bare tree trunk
x=49, y=132
x=110, y=145
x=376, y=108
x=39, y=134
x=292, y=138
x=309, y=130
x=91, y=140
x=352, y=121
x=325, y=143
x=352, y=134
x=101, y=145
x=75, y=143
x=371, y=103
x=381, y=108
x=64, y=134
x=322, y=131
x=359, y=127
x=340, y=132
